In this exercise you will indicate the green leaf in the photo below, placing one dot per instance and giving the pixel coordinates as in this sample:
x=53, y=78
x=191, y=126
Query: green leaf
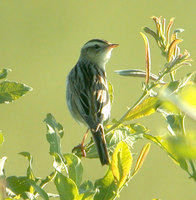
x=38, y=189
x=3, y=73
x=137, y=73
x=27, y=155
x=54, y=134
x=18, y=185
x=141, y=158
x=66, y=187
x=106, y=186
x=74, y=167
x=10, y=91
x=48, y=179
x=87, y=191
x=147, y=107
x=121, y=163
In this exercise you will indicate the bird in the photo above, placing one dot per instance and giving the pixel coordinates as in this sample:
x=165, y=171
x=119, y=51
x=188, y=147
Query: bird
x=87, y=93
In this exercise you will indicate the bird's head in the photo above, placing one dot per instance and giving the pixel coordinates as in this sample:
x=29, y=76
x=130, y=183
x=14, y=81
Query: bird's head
x=97, y=51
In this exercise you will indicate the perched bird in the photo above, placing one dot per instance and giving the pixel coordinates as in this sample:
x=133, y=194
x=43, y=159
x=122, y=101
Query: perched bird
x=87, y=92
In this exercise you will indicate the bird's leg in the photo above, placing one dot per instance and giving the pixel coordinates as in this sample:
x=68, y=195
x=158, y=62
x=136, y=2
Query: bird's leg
x=81, y=145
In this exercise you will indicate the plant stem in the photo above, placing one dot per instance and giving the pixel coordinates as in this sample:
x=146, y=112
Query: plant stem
x=145, y=93
x=193, y=169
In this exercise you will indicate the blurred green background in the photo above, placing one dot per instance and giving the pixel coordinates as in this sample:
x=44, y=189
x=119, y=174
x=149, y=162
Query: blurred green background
x=40, y=41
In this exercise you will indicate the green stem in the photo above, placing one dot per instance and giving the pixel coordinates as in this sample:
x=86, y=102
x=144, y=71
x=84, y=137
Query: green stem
x=193, y=170
x=145, y=93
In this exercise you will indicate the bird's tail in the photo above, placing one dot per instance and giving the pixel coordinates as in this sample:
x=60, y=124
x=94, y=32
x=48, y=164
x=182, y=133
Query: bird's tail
x=99, y=139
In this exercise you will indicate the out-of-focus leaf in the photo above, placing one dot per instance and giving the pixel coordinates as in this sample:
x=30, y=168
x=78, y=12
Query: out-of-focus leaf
x=10, y=91
x=27, y=155
x=141, y=158
x=184, y=100
x=183, y=146
x=111, y=92
x=1, y=137
x=2, y=164
x=127, y=133
x=121, y=163
x=4, y=72
x=74, y=167
x=87, y=190
x=106, y=186
x=163, y=143
x=66, y=187
x=148, y=58
x=186, y=79
x=147, y=107
x=54, y=134
x=175, y=124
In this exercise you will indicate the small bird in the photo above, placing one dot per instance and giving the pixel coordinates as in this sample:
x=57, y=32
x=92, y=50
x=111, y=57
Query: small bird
x=87, y=92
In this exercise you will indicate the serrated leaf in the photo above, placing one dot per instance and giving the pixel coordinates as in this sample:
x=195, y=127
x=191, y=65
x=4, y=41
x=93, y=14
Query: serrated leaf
x=141, y=158
x=74, y=167
x=66, y=187
x=10, y=91
x=147, y=107
x=121, y=163
x=3, y=73
x=106, y=186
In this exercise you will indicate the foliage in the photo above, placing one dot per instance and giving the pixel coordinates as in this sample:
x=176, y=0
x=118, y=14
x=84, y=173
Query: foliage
x=172, y=99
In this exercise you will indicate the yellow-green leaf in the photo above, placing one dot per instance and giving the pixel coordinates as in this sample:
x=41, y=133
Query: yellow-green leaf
x=141, y=158
x=147, y=107
x=121, y=163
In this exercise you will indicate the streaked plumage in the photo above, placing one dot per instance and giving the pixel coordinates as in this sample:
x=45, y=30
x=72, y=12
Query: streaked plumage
x=87, y=91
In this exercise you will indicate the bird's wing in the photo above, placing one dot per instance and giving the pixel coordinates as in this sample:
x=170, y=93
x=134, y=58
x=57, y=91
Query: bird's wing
x=90, y=94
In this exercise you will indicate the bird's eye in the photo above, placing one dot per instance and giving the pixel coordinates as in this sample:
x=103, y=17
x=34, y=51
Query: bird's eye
x=96, y=46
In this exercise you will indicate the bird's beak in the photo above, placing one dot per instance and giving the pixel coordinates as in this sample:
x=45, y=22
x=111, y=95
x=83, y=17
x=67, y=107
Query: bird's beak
x=113, y=45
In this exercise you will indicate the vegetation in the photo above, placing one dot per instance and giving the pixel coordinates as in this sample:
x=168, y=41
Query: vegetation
x=163, y=93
